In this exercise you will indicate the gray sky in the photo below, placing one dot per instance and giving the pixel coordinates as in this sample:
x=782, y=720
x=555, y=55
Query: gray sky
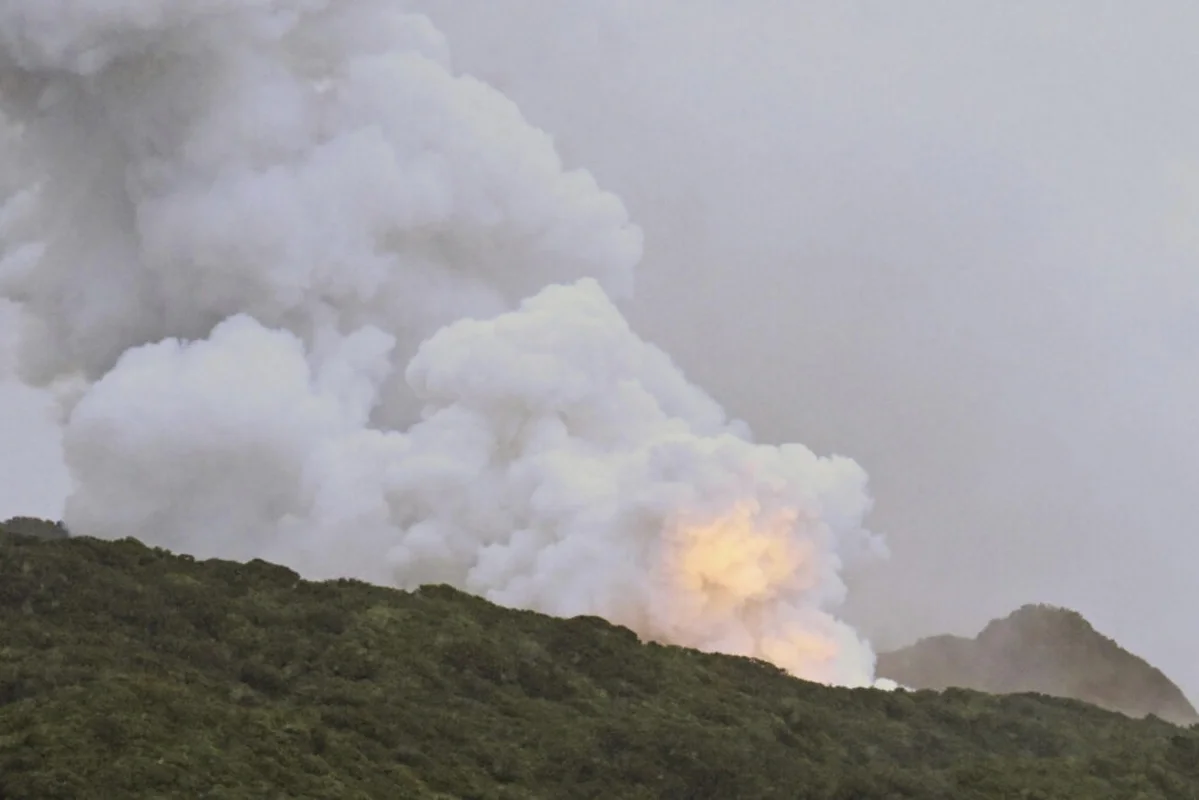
x=953, y=240
x=33, y=479
x=956, y=241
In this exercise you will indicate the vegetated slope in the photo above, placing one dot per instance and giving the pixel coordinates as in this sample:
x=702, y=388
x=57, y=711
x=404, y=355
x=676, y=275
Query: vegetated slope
x=1040, y=648
x=130, y=672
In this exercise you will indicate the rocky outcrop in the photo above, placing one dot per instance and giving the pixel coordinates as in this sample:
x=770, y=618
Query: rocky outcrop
x=1045, y=649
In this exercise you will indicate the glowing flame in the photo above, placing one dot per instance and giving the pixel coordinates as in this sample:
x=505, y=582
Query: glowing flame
x=736, y=558
x=733, y=584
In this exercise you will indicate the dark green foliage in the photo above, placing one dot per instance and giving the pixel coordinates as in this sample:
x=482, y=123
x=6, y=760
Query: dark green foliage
x=129, y=672
x=32, y=526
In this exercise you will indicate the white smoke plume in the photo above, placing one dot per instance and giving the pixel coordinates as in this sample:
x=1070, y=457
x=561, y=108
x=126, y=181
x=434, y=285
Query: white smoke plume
x=311, y=296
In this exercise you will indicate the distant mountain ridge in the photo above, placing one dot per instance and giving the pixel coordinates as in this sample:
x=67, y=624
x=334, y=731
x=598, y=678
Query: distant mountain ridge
x=35, y=527
x=1045, y=649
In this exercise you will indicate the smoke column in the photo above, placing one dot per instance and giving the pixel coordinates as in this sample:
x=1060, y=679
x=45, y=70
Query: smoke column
x=308, y=295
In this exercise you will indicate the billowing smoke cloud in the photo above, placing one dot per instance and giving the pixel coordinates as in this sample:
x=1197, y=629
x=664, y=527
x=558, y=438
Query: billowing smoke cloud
x=310, y=296
x=957, y=240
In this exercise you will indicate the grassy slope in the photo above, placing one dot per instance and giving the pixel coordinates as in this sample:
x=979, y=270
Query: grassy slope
x=129, y=672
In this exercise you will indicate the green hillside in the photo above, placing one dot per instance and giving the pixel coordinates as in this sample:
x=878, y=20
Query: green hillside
x=129, y=672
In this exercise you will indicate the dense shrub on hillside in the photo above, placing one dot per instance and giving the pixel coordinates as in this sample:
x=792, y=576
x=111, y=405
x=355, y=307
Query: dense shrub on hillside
x=130, y=672
x=32, y=526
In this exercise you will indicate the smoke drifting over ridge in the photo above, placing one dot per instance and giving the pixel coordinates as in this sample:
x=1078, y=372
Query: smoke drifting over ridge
x=309, y=295
x=957, y=240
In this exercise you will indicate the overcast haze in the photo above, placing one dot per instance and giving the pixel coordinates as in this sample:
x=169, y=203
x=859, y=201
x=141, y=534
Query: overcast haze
x=955, y=241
